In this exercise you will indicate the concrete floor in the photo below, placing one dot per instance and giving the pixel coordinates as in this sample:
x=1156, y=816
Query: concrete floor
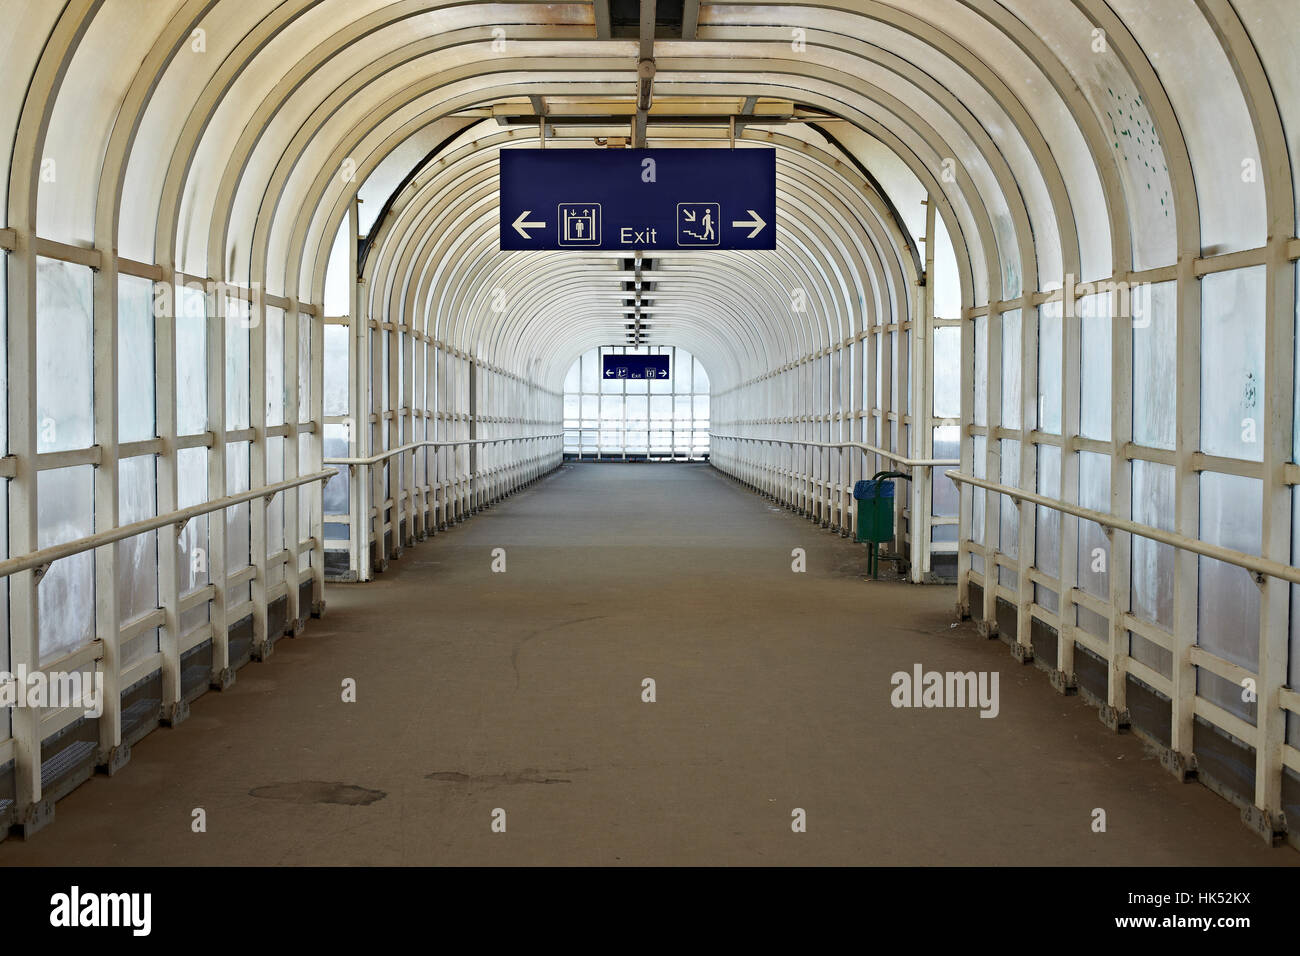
x=522, y=691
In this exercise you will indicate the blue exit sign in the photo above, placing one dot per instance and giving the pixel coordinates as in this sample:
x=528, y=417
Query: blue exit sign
x=635, y=367
x=652, y=199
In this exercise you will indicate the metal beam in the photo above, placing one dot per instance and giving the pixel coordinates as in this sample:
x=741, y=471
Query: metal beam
x=645, y=73
x=690, y=18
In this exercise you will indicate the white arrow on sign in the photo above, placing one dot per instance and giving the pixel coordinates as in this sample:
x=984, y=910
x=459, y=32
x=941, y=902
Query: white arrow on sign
x=757, y=222
x=522, y=223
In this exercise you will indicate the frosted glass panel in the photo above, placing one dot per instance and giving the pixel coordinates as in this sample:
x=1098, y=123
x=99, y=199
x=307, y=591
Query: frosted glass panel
x=309, y=510
x=335, y=495
x=1011, y=370
x=305, y=360
x=1009, y=513
x=192, y=545
x=1228, y=618
x=1047, y=530
x=1152, y=571
x=1049, y=367
x=981, y=370
x=1047, y=525
x=684, y=371
x=882, y=349
x=338, y=284
x=64, y=356
x=237, y=364
x=1155, y=340
x=65, y=512
x=137, y=557
x=191, y=363
x=945, y=497
x=135, y=359
x=275, y=395
x=1094, y=367
x=947, y=372
x=237, y=517
x=1010, y=516
x=275, y=510
x=1153, y=562
x=1232, y=363
x=979, y=464
x=1228, y=614
x=1094, y=549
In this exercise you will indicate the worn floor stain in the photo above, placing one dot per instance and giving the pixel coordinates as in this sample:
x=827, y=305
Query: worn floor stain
x=319, y=791
x=509, y=778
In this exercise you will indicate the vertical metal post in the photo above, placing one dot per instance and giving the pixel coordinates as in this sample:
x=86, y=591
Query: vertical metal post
x=923, y=407
x=379, y=473
x=1071, y=357
x=107, y=611
x=993, y=460
x=31, y=811
x=965, y=492
x=359, y=409
x=169, y=558
x=1023, y=646
x=293, y=612
x=315, y=455
x=1279, y=385
x=472, y=364
x=257, y=516
x=390, y=424
x=1121, y=502
x=215, y=309
x=1187, y=510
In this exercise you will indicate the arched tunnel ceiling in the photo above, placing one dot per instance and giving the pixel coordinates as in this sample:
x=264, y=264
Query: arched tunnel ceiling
x=227, y=138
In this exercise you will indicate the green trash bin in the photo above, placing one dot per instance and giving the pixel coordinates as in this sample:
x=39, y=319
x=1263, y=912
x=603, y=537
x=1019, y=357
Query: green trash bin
x=875, y=498
x=875, y=510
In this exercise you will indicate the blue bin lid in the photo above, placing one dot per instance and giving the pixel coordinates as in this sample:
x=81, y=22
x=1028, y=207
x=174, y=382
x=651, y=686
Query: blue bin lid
x=884, y=488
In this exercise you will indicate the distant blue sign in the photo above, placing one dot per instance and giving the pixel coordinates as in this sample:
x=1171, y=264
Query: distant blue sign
x=690, y=198
x=635, y=367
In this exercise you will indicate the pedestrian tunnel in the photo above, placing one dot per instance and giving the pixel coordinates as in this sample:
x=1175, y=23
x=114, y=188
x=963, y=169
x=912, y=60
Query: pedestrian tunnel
x=291, y=289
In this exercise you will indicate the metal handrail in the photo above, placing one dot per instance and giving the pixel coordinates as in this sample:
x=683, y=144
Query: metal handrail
x=871, y=449
x=431, y=443
x=46, y=556
x=1257, y=565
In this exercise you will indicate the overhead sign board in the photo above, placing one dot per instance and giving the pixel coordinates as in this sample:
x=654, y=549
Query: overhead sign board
x=651, y=199
x=635, y=367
